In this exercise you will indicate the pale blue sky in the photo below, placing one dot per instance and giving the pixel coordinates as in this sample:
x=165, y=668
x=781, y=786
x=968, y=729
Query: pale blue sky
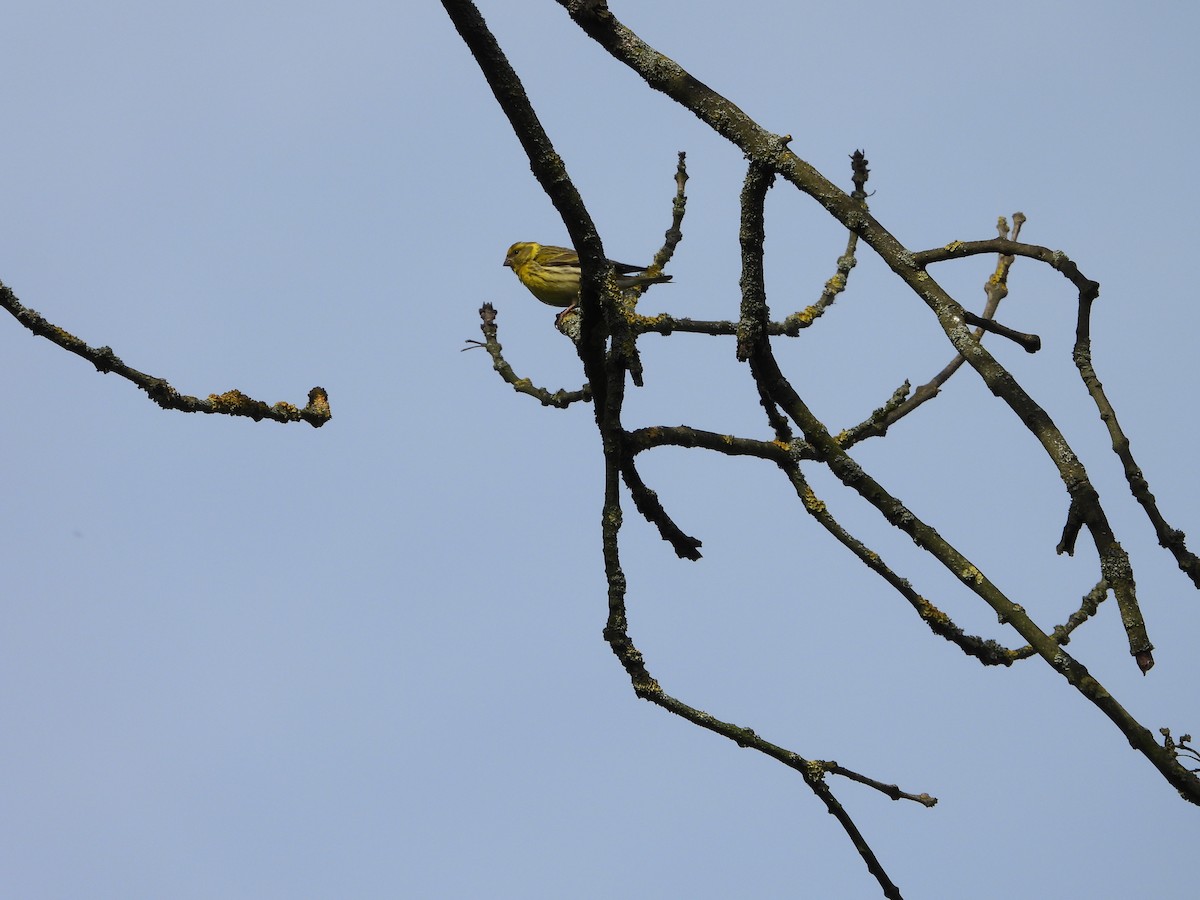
x=245, y=660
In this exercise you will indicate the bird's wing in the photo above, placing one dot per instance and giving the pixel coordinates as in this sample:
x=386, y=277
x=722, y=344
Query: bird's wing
x=561, y=261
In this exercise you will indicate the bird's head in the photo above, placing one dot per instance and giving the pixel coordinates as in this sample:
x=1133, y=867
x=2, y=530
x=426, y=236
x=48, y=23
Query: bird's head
x=520, y=253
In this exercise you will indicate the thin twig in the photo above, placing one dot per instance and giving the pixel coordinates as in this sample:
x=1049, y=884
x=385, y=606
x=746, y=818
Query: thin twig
x=559, y=399
x=1172, y=539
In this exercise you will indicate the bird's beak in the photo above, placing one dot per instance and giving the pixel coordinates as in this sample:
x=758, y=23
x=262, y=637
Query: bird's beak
x=508, y=262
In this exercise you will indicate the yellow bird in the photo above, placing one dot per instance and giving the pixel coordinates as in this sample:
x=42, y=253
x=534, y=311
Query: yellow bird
x=552, y=273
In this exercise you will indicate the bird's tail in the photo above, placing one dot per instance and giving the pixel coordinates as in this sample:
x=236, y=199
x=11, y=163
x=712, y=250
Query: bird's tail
x=640, y=279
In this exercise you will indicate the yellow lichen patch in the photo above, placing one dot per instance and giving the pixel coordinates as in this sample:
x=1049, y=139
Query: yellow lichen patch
x=931, y=613
x=783, y=445
x=228, y=400
x=953, y=245
x=970, y=573
x=812, y=502
x=644, y=323
x=645, y=688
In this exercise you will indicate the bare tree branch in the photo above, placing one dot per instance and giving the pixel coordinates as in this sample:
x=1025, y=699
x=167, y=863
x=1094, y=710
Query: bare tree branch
x=606, y=329
x=230, y=403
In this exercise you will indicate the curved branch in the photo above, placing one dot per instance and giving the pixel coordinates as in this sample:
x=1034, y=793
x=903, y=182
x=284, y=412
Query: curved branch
x=230, y=403
x=560, y=399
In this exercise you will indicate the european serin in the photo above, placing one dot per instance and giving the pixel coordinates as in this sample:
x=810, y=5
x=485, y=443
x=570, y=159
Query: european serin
x=552, y=273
